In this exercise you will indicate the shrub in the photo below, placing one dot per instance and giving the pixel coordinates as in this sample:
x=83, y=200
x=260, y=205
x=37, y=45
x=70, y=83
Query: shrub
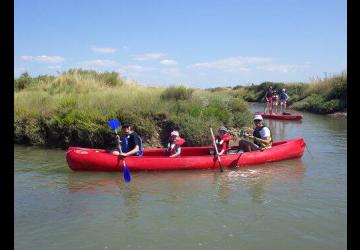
x=177, y=93
x=22, y=82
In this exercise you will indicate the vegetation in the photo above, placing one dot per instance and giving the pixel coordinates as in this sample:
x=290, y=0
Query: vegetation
x=74, y=109
x=322, y=96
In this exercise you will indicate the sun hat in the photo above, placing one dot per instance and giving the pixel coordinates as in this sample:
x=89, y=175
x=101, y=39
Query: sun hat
x=258, y=117
x=283, y=90
x=175, y=133
x=222, y=128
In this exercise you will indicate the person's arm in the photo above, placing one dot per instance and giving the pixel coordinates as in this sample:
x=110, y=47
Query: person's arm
x=177, y=152
x=221, y=152
x=264, y=139
x=131, y=152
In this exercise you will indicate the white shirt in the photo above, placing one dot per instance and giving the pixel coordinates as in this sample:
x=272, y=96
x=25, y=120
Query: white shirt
x=264, y=132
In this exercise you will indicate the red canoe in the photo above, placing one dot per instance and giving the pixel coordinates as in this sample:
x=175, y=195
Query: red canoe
x=191, y=158
x=280, y=116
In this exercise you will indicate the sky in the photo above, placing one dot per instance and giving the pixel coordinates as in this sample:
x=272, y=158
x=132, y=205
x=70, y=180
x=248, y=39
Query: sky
x=199, y=43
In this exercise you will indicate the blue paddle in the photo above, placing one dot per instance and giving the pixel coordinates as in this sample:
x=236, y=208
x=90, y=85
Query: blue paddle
x=114, y=124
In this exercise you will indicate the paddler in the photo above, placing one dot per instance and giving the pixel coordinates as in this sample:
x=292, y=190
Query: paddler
x=222, y=140
x=261, y=137
x=174, y=144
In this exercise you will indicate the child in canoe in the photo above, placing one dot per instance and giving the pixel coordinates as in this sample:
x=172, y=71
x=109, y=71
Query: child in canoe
x=222, y=140
x=174, y=144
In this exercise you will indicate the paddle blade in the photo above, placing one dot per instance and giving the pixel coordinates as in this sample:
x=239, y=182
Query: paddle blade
x=114, y=124
x=127, y=175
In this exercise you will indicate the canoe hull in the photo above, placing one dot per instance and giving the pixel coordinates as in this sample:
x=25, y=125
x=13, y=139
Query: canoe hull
x=85, y=159
x=280, y=116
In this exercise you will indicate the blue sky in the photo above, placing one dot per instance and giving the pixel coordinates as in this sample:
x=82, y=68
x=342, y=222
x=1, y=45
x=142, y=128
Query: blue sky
x=195, y=43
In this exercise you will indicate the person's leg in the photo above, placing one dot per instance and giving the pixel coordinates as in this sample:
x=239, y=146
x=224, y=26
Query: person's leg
x=266, y=105
x=247, y=146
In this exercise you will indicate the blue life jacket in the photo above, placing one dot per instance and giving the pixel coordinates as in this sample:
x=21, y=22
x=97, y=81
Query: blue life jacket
x=125, y=146
x=283, y=96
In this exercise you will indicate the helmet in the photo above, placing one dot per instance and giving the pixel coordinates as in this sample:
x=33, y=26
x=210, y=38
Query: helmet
x=258, y=117
x=283, y=90
x=223, y=129
x=175, y=133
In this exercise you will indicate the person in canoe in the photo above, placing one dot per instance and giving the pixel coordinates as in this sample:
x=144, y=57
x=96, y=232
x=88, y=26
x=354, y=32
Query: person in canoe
x=130, y=141
x=275, y=102
x=283, y=100
x=261, y=137
x=268, y=98
x=174, y=144
x=222, y=140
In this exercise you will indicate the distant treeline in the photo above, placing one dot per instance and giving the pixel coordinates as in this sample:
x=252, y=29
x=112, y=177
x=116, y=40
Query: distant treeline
x=323, y=96
x=74, y=109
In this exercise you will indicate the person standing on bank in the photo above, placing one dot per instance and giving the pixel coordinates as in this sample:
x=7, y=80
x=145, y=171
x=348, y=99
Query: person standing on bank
x=261, y=137
x=268, y=98
x=283, y=100
x=130, y=141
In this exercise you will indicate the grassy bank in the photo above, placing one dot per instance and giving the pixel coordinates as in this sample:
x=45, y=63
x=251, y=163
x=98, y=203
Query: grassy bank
x=74, y=109
x=323, y=96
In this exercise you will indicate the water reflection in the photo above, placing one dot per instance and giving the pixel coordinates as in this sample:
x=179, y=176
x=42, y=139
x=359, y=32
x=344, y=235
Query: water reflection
x=282, y=129
x=258, y=180
x=179, y=186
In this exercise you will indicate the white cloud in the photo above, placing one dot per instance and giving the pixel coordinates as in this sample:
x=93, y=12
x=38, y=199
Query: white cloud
x=43, y=59
x=148, y=56
x=284, y=68
x=233, y=63
x=103, y=50
x=98, y=63
x=168, y=62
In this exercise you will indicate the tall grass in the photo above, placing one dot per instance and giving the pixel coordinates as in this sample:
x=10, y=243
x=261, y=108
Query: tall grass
x=74, y=108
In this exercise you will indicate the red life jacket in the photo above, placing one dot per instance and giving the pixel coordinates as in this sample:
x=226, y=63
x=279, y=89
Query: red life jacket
x=222, y=142
x=174, y=145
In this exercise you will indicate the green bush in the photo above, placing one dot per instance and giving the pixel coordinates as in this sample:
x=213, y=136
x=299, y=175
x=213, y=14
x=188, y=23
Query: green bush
x=177, y=93
x=22, y=82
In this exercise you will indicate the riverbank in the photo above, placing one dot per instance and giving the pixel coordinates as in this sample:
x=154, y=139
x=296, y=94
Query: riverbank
x=339, y=114
x=74, y=109
x=322, y=96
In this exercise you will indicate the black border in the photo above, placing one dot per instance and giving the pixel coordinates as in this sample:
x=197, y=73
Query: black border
x=7, y=123
x=353, y=90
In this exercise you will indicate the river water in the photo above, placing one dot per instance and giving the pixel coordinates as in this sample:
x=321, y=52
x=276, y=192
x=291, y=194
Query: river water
x=295, y=204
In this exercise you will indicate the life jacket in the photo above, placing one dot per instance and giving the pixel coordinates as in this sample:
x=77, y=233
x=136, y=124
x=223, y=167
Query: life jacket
x=283, y=96
x=256, y=133
x=173, y=146
x=220, y=140
x=275, y=98
x=125, y=146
